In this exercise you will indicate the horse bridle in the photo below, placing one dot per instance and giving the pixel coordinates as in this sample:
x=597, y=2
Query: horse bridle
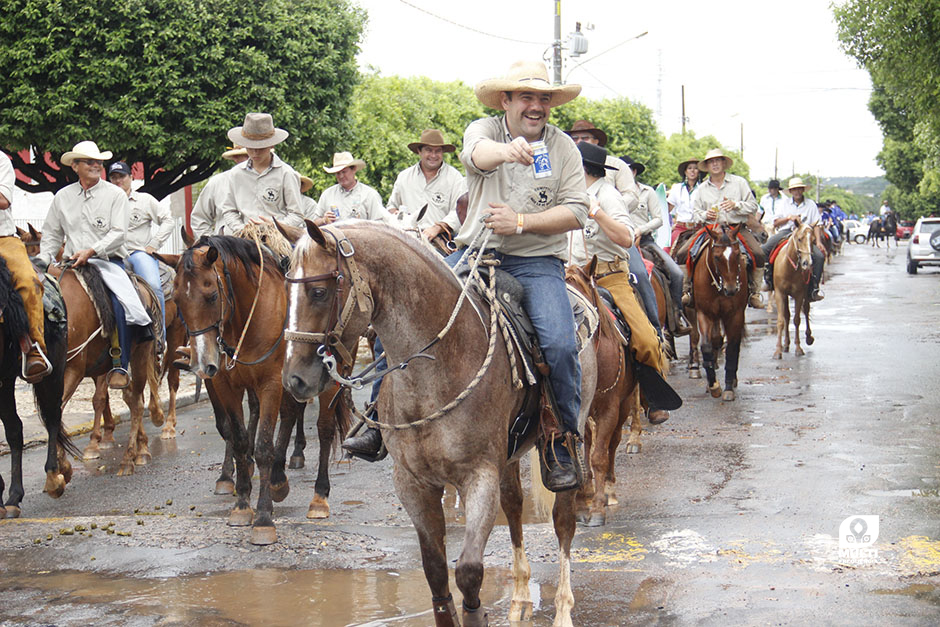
x=718, y=282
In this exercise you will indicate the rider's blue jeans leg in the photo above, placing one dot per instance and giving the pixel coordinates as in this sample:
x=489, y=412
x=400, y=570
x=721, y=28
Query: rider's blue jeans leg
x=121, y=325
x=149, y=269
x=382, y=365
x=644, y=288
x=675, y=272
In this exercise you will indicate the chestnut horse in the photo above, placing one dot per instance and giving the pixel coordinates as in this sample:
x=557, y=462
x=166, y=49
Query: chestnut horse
x=614, y=402
x=445, y=419
x=793, y=274
x=719, y=286
x=48, y=394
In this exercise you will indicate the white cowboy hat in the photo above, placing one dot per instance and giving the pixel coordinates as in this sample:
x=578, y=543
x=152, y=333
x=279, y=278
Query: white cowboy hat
x=344, y=160
x=713, y=154
x=796, y=182
x=85, y=150
x=235, y=151
x=524, y=76
x=257, y=131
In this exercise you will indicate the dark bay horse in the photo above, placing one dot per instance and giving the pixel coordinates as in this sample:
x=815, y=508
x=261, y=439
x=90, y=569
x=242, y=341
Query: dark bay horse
x=719, y=287
x=48, y=394
x=793, y=272
x=446, y=418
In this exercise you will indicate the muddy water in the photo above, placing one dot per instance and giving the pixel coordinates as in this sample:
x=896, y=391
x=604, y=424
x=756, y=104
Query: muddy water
x=251, y=597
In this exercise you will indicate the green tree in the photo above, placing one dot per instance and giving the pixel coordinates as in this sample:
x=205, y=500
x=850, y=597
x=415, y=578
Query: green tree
x=162, y=82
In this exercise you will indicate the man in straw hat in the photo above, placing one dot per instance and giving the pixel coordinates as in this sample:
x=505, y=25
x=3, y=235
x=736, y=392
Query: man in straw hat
x=526, y=184
x=205, y=218
x=263, y=187
x=430, y=182
x=726, y=198
x=90, y=217
x=799, y=208
x=680, y=198
x=618, y=175
x=25, y=281
x=349, y=198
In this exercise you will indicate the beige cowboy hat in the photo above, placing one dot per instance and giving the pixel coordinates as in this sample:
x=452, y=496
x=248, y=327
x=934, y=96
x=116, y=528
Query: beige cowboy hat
x=713, y=154
x=257, y=131
x=85, y=150
x=796, y=182
x=235, y=151
x=431, y=137
x=344, y=160
x=306, y=184
x=524, y=76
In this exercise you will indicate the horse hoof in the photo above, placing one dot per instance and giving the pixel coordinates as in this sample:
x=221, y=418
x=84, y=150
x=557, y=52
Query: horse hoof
x=13, y=511
x=296, y=462
x=799, y=352
x=263, y=536
x=695, y=374
x=612, y=499
x=280, y=491
x=106, y=444
x=778, y=355
x=520, y=611
x=476, y=618
x=714, y=390
x=55, y=484
x=633, y=448
x=91, y=452
x=241, y=518
x=224, y=487
x=127, y=468
x=319, y=508
x=157, y=418
x=168, y=433
x=728, y=395
x=598, y=519
x=143, y=459
x=809, y=340
x=582, y=516
x=65, y=469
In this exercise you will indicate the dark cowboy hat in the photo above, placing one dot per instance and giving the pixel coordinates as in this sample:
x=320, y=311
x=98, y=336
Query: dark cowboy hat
x=773, y=184
x=431, y=137
x=583, y=126
x=638, y=167
x=592, y=154
x=685, y=164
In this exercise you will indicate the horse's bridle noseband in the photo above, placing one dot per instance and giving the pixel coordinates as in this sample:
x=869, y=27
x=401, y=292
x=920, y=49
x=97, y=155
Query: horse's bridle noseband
x=717, y=281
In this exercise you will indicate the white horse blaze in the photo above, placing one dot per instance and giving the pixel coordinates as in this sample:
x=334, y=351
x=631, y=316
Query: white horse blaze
x=727, y=253
x=292, y=306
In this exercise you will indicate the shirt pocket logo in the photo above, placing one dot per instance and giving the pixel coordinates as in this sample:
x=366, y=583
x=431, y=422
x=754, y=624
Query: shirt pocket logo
x=270, y=194
x=99, y=223
x=437, y=198
x=137, y=218
x=542, y=197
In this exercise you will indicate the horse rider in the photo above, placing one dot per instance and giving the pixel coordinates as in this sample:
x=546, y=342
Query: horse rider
x=680, y=199
x=263, y=187
x=772, y=204
x=350, y=197
x=308, y=205
x=90, y=217
x=529, y=204
x=609, y=234
x=143, y=213
x=205, y=217
x=726, y=198
x=25, y=281
x=430, y=182
x=798, y=207
x=647, y=217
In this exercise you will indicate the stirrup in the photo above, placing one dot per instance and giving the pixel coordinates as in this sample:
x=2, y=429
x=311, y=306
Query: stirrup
x=38, y=376
x=114, y=371
x=381, y=454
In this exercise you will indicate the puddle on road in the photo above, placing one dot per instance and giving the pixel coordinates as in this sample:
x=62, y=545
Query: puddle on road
x=929, y=593
x=251, y=597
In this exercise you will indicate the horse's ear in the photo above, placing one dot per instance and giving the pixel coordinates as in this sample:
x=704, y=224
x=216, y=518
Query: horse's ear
x=188, y=240
x=292, y=233
x=421, y=213
x=315, y=233
x=32, y=231
x=211, y=255
x=736, y=229
x=592, y=267
x=20, y=233
x=170, y=260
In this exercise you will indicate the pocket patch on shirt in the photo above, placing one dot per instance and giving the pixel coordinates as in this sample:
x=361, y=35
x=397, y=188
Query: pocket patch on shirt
x=136, y=217
x=542, y=197
x=437, y=198
x=99, y=223
x=270, y=194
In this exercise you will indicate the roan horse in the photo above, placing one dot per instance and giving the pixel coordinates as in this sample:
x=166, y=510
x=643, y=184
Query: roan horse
x=720, y=303
x=793, y=273
x=447, y=418
x=48, y=394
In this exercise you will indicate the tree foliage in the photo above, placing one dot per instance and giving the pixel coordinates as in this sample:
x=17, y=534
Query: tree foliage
x=162, y=82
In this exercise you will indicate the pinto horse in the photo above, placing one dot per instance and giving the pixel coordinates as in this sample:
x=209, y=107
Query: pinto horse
x=445, y=419
x=793, y=273
x=48, y=394
x=719, y=284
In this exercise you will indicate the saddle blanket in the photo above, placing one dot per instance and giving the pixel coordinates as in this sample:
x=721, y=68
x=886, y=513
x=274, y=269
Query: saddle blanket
x=115, y=277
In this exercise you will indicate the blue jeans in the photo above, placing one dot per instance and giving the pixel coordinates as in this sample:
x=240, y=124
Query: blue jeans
x=644, y=288
x=546, y=303
x=382, y=365
x=148, y=269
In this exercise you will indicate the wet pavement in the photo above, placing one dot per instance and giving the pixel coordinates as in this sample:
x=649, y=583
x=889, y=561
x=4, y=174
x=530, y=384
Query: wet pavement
x=730, y=515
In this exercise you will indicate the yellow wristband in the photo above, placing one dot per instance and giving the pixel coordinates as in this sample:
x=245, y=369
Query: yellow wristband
x=520, y=223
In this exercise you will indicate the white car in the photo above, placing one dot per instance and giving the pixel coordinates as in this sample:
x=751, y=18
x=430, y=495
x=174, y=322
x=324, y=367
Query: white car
x=924, y=247
x=855, y=231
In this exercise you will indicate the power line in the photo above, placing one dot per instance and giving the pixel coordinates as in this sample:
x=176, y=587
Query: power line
x=470, y=28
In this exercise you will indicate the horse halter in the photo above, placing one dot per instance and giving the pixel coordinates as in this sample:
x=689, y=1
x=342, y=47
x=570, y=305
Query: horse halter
x=718, y=281
x=358, y=295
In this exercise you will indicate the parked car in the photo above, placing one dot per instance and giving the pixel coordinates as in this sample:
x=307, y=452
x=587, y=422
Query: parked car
x=905, y=229
x=924, y=247
x=855, y=231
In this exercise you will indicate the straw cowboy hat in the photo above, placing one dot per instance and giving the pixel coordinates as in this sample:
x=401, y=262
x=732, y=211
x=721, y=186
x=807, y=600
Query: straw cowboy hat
x=235, y=151
x=524, y=76
x=583, y=126
x=344, y=160
x=713, y=154
x=306, y=184
x=431, y=137
x=796, y=182
x=685, y=164
x=257, y=131
x=85, y=150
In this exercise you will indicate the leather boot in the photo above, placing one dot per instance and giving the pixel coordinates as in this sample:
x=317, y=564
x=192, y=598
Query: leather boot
x=754, y=280
x=183, y=358
x=118, y=379
x=657, y=416
x=816, y=295
x=37, y=366
x=683, y=326
x=559, y=473
x=686, y=291
x=366, y=445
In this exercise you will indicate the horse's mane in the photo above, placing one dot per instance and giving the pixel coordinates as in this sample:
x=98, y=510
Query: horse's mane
x=230, y=249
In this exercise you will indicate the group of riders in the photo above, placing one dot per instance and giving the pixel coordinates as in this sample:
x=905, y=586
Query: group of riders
x=541, y=195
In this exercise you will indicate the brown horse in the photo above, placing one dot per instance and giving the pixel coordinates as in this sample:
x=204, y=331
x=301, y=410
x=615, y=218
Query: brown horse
x=614, y=402
x=678, y=252
x=447, y=418
x=793, y=273
x=719, y=286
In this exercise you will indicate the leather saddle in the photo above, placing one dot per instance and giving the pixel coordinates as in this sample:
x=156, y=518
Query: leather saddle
x=619, y=322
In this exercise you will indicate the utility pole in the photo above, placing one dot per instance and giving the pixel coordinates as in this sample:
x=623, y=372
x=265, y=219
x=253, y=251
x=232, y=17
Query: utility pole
x=776, y=159
x=556, y=59
x=742, y=141
x=683, y=110
x=659, y=89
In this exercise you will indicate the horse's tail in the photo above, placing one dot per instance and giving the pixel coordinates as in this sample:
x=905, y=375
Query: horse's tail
x=543, y=498
x=342, y=411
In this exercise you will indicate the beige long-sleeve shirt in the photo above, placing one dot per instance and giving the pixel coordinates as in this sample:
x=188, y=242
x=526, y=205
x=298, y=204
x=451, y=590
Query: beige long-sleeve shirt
x=648, y=214
x=412, y=191
x=361, y=202
x=596, y=241
x=206, y=216
x=622, y=179
x=274, y=193
x=144, y=212
x=734, y=188
x=95, y=218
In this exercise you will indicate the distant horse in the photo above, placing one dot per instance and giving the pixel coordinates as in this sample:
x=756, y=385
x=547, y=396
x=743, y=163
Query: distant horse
x=48, y=394
x=793, y=274
x=875, y=232
x=889, y=227
x=447, y=419
x=719, y=286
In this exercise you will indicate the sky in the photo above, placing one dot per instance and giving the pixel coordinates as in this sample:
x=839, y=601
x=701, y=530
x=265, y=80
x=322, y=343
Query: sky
x=774, y=68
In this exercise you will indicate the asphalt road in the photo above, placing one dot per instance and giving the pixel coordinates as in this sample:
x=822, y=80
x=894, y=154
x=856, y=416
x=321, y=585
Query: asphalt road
x=730, y=515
